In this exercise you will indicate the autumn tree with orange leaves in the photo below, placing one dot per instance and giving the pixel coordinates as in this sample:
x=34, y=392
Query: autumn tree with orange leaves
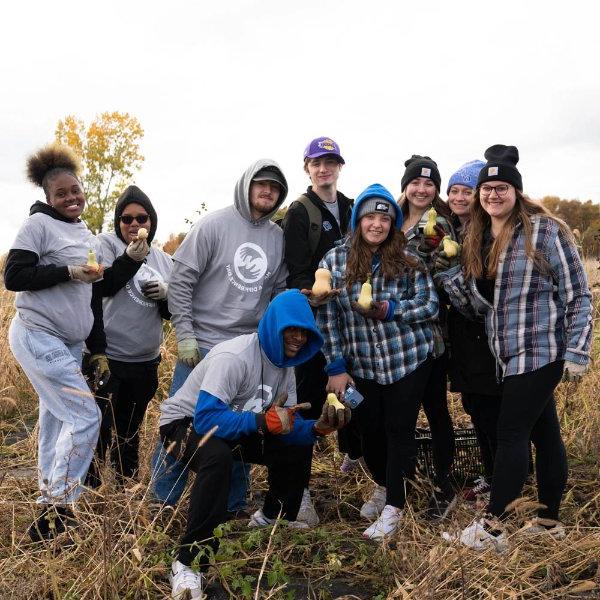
x=109, y=150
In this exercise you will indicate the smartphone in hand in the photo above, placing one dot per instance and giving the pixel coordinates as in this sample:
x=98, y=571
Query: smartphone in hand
x=352, y=397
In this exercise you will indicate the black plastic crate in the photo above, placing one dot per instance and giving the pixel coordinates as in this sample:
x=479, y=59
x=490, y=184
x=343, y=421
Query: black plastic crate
x=467, y=465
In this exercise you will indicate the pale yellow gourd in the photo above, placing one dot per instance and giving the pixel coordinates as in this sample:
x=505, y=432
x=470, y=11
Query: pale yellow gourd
x=322, y=283
x=332, y=400
x=366, y=295
x=429, y=229
x=91, y=260
x=450, y=247
x=142, y=233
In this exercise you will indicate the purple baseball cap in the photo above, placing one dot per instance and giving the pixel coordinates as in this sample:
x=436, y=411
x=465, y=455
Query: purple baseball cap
x=322, y=146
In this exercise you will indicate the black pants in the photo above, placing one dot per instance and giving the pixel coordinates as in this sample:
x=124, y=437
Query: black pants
x=311, y=381
x=286, y=466
x=387, y=418
x=134, y=387
x=528, y=411
x=484, y=410
x=435, y=406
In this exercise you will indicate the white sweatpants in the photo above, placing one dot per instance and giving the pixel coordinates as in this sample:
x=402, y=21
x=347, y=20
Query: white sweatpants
x=69, y=419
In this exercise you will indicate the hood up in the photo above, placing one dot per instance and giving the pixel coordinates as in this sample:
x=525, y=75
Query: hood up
x=288, y=309
x=242, y=188
x=133, y=194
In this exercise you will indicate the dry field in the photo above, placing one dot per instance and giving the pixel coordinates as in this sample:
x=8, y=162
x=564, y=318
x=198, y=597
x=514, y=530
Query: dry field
x=124, y=547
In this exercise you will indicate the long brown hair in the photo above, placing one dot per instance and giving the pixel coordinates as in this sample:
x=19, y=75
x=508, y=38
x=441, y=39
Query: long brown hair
x=440, y=206
x=479, y=221
x=395, y=262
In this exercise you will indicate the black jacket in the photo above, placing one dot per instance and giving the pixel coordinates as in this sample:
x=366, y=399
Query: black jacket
x=301, y=264
x=472, y=366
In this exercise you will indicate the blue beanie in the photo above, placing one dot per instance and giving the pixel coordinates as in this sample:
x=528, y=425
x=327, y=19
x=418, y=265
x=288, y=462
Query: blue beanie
x=466, y=175
x=363, y=207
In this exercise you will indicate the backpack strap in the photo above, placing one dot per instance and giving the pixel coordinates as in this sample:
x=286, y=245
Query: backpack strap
x=315, y=222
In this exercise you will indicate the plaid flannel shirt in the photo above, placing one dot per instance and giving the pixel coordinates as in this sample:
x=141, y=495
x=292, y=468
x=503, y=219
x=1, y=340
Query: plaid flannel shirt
x=413, y=238
x=535, y=319
x=384, y=351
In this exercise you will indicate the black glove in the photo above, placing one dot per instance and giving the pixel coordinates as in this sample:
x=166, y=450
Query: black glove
x=332, y=419
x=100, y=374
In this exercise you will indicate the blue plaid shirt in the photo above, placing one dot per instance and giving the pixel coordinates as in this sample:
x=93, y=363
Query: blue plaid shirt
x=387, y=350
x=535, y=319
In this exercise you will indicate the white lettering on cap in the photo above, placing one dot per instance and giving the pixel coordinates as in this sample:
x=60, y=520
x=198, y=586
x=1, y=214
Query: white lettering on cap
x=425, y=172
x=492, y=171
x=382, y=207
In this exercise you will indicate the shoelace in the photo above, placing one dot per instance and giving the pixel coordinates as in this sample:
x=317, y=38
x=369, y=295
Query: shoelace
x=189, y=578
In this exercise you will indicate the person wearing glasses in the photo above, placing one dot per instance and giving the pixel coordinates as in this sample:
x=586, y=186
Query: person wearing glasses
x=133, y=317
x=241, y=399
x=421, y=183
x=521, y=270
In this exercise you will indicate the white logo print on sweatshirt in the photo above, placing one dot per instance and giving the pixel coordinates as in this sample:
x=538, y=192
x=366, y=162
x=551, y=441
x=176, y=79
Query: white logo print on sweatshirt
x=249, y=267
x=250, y=262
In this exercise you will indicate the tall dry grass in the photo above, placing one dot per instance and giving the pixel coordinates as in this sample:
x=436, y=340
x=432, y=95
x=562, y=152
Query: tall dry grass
x=124, y=546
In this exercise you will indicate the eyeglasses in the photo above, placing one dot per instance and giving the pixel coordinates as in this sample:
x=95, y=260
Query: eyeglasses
x=128, y=219
x=501, y=190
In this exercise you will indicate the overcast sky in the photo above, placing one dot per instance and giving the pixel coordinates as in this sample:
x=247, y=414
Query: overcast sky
x=218, y=85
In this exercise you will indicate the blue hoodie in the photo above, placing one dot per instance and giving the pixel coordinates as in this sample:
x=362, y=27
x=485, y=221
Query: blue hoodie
x=289, y=309
x=375, y=190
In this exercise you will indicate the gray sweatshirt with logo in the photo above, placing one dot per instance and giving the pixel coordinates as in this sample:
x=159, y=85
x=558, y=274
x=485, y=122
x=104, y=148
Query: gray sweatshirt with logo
x=132, y=322
x=227, y=270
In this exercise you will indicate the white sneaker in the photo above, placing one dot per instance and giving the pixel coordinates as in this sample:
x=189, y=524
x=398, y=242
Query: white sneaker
x=258, y=519
x=185, y=582
x=477, y=537
x=386, y=524
x=539, y=526
x=307, y=513
x=373, y=507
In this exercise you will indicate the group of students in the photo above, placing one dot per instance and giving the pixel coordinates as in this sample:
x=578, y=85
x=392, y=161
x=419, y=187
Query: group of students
x=505, y=316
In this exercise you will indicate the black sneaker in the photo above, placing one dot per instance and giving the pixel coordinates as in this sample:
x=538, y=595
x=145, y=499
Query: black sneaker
x=53, y=521
x=441, y=503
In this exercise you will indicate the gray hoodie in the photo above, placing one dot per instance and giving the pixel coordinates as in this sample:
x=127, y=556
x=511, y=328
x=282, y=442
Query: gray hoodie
x=227, y=269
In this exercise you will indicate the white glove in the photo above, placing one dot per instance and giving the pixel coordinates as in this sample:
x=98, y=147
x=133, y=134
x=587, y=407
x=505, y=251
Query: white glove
x=574, y=371
x=85, y=273
x=156, y=290
x=187, y=352
x=138, y=250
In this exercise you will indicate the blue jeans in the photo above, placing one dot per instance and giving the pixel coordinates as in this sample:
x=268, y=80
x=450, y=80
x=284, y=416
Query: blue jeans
x=169, y=476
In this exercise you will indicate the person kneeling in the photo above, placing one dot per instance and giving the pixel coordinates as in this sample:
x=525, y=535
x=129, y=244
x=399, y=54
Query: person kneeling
x=245, y=388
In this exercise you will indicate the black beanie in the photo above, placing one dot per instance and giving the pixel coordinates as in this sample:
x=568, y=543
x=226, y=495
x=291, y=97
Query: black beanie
x=421, y=166
x=129, y=196
x=501, y=166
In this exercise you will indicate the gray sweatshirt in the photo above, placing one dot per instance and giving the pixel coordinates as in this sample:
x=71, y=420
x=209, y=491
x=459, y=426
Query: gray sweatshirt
x=62, y=310
x=132, y=322
x=227, y=270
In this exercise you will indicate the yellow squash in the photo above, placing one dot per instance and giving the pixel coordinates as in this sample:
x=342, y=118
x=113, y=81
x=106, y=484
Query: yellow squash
x=322, y=283
x=91, y=260
x=429, y=229
x=332, y=400
x=366, y=295
x=450, y=247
